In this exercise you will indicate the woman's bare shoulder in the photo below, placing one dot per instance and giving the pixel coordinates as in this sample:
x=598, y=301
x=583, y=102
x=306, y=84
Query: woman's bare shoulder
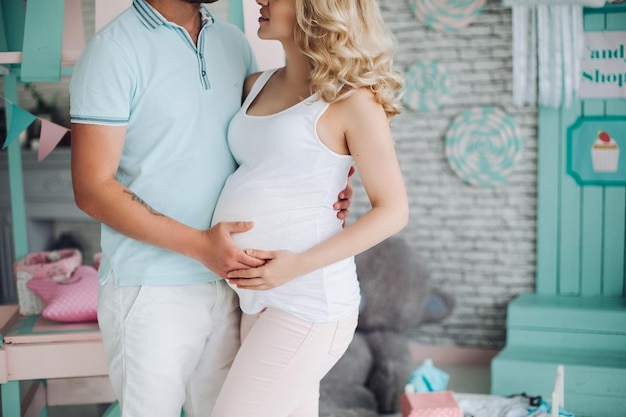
x=361, y=99
x=362, y=103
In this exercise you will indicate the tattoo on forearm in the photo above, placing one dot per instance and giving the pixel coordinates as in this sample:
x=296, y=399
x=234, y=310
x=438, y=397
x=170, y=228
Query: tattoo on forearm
x=136, y=198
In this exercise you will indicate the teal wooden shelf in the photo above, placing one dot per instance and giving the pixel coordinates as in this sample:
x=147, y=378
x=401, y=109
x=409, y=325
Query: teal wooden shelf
x=577, y=317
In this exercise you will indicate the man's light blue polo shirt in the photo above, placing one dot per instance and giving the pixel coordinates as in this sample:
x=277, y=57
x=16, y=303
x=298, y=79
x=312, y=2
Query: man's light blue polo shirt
x=176, y=101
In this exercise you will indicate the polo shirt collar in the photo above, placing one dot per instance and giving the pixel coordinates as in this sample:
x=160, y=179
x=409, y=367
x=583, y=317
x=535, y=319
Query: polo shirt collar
x=152, y=19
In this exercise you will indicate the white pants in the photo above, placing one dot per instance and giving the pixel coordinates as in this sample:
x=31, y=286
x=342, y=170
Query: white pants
x=168, y=347
x=279, y=366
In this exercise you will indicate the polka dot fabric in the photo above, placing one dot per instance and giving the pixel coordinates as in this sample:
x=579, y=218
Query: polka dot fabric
x=73, y=300
x=55, y=265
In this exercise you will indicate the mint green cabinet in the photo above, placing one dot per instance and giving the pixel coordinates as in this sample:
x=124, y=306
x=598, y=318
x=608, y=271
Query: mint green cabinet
x=577, y=315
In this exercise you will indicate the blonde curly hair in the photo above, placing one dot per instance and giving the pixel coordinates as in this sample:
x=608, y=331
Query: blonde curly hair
x=348, y=47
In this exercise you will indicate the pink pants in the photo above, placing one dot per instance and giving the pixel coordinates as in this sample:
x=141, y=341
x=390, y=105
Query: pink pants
x=279, y=366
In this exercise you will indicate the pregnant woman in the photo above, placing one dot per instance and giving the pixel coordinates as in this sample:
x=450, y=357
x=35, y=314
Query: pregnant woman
x=300, y=130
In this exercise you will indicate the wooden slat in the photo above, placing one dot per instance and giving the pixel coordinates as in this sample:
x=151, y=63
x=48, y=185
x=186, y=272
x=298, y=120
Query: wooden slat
x=614, y=274
x=43, y=41
x=613, y=262
x=73, y=391
x=608, y=9
x=68, y=58
x=616, y=20
x=591, y=222
x=610, y=366
x=235, y=13
x=592, y=208
x=10, y=57
x=588, y=315
x=16, y=179
x=11, y=403
x=614, y=229
x=4, y=371
x=593, y=22
x=14, y=27
x=615, y=106
x=8, y=316
x=36, y=329
x=56, y=360
x=569, y=213
x=547, y=201
x=4, y=46
x=552, y=338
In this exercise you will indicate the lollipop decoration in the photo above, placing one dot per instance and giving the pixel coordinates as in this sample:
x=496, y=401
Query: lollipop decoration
x=483, y=145
x=427, y=86
x=446, y=15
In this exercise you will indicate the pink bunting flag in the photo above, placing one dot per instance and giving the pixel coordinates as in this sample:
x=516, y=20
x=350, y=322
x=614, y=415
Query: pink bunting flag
x=51, y=135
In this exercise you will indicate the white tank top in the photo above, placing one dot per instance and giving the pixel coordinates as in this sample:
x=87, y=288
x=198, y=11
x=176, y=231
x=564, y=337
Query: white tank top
x=287, y=182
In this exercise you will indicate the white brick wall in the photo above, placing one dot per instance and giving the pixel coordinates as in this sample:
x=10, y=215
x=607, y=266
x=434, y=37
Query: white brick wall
x=479, y=243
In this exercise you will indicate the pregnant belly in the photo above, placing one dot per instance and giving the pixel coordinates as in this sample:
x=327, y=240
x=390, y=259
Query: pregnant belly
x=295, y=229
x=282, y=220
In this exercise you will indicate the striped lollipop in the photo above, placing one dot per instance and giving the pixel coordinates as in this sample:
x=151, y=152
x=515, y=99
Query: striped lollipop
x=426, y=86
x=483, y=145
x=446, y=15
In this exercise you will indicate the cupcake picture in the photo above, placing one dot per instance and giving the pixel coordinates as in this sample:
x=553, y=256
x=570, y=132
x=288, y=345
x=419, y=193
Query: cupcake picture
x=605, y=153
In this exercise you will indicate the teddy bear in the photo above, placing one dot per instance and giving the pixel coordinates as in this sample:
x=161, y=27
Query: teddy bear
x=396, y=297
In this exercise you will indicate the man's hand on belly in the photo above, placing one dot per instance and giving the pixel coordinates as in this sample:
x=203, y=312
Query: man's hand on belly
x=220, y=253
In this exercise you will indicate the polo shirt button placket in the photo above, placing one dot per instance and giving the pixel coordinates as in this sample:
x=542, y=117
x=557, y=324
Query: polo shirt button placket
x=203, y=71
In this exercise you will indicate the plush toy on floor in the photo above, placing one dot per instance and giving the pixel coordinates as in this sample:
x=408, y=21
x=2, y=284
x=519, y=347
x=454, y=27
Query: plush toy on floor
x=397, y=296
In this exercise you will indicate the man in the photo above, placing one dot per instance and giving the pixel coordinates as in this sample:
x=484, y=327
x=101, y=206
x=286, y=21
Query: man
x=151, y=99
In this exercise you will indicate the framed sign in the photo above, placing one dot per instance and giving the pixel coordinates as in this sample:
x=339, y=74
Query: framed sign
x=595, y=150
x=604, y=65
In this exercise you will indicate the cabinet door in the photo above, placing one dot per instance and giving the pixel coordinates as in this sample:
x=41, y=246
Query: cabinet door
x=581, y=229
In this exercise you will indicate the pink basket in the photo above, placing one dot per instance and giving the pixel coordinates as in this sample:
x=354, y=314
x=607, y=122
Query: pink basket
x=55, y=265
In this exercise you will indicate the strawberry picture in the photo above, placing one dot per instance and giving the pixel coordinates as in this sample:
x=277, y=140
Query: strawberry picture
x=603, y=136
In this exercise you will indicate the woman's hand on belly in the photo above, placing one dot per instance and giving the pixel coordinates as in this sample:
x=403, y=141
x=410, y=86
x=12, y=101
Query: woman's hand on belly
x=281, y=266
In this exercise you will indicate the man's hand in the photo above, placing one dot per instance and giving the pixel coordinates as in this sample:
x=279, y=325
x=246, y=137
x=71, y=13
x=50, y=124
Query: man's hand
x=222, y=255
x=345, y=199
